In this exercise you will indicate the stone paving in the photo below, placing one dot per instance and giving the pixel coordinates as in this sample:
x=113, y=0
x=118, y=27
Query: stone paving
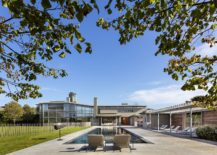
x=161, y=145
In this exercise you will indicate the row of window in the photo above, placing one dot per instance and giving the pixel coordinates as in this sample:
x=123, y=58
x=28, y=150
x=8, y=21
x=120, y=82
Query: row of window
x=121, y=109
x=66, y=120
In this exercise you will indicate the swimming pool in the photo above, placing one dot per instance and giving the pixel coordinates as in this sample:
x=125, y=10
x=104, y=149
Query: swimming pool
x=108, y=133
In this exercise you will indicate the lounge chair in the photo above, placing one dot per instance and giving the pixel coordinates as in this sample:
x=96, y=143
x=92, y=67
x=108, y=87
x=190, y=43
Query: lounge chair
x=187, y=131
x=121, y=141
x=175, y=130
x=168, y=129
x=95, y=141
x=163, y=127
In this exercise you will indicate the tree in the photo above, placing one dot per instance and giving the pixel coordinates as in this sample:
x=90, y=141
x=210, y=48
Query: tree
x=13, y=111
x=1, y=117
x=32, y=35
x=180, y=24
x=28, y=114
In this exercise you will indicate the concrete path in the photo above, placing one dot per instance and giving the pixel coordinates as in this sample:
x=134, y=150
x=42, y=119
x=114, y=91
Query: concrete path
x=161, y=145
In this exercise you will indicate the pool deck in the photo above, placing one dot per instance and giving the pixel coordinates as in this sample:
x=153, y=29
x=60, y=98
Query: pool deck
x=161, y=145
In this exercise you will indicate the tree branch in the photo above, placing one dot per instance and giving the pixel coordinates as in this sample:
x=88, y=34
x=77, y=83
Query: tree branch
x=7, y=20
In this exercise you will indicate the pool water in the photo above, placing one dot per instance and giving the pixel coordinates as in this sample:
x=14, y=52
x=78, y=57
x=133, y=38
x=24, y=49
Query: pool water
x=108, y=133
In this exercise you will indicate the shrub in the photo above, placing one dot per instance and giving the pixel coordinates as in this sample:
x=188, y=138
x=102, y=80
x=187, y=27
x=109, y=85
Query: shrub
x=207, y=132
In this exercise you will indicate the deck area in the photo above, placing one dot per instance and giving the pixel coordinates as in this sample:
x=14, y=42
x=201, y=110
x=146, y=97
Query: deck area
x=161, y=144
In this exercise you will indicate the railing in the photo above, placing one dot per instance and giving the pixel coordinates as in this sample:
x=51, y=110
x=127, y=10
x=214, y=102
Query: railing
x=32, y=129
x=23, y=129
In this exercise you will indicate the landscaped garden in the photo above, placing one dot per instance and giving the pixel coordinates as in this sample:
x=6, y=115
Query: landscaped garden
x=31, y=135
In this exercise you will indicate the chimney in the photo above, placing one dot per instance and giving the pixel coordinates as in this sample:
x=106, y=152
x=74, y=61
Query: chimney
x=95, y=108
x=72, y=97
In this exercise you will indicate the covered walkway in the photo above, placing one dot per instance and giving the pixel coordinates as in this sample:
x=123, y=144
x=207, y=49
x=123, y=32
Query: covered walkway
x=168, y=112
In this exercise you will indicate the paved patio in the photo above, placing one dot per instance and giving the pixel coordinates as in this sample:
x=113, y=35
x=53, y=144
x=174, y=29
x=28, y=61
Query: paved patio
x=161, y=145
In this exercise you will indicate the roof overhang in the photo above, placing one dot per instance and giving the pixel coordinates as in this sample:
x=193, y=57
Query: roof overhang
x=180, y=108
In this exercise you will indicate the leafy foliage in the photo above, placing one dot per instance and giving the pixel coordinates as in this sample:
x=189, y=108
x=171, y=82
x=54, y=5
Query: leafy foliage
x=32, y=36
x=207, y=132
x=180, y=25
x=13, y=111
x=29, y=114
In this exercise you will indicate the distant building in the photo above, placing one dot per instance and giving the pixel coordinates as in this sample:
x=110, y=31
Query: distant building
x=64, y=111
x=118, y=114
x=71, y=111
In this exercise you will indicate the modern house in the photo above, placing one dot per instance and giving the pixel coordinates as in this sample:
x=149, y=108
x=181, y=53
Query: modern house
x=118, y=115
x=71, y=111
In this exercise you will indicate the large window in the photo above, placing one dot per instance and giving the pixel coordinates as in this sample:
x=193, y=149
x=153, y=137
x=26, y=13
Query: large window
x=196, y=119
x=57, y=112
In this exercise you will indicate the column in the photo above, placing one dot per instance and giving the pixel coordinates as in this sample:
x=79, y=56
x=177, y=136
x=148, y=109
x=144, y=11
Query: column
x=191, y=121
x=158, y=122
x=170, y=121
x=150, y=120
x=42, y=106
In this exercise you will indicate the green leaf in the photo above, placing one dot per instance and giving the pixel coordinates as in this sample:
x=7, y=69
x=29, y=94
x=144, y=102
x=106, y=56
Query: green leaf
x=62, y=55
x=78, y=36
x=45, y=4
x=78, y=48
x=80, y=16
x=5, y=3
x=175, y=76
x=109, y=11
x=56, y=48
x=33, y=1
x=95, y=5
x=88, y=48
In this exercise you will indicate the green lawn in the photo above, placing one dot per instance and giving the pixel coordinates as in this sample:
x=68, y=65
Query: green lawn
x=13, y=143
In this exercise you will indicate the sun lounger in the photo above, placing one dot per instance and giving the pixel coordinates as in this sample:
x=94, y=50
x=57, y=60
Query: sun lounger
x=163, y=127
x=121, y=141
x=95, y=141
x=174, y=130
x=168, y=129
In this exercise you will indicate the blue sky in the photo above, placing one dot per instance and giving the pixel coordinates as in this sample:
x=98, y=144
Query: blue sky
x=114, y=73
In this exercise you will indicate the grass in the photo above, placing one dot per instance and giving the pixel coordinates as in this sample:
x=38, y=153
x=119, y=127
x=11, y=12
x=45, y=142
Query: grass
x=13, y=143
x=21, y=130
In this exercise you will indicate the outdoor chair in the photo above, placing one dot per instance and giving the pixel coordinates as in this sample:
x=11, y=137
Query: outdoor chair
x=168, y=129
x=175, y=130
x=95, y=141
x=163, y=127
x=187, y=131
x=121, y=141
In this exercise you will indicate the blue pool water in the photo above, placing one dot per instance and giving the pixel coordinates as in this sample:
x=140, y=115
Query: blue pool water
x=108, y=133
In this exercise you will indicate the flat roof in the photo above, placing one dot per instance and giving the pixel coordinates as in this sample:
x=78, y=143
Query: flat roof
x=64, y=102
x=180, y=108
x=121, y=105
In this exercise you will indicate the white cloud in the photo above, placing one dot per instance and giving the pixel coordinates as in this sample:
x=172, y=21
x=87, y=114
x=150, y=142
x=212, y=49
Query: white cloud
x=206, y=50
x=155, y=83
x=163, y=96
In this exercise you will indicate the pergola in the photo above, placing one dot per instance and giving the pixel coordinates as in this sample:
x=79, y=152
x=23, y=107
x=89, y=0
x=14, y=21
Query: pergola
x=180, y=108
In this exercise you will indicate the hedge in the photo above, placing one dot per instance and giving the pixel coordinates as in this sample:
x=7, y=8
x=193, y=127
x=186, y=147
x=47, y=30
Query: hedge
x=207, y=132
